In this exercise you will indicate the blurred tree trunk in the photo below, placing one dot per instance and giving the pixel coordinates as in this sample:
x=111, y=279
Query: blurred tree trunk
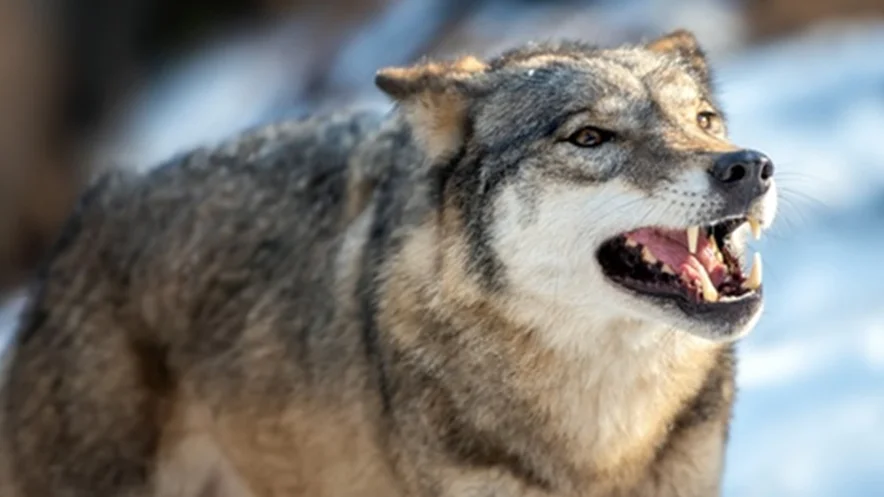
x=65, y=66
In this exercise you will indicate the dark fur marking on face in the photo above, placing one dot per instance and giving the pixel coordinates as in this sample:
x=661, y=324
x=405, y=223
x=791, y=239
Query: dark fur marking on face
x=463, y=178
x=476, y=178
x=473, y=197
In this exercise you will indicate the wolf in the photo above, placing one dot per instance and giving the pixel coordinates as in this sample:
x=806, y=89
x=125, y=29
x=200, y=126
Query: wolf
x=525, y=280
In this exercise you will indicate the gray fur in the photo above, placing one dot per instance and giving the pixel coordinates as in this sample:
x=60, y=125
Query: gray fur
x=318, y=308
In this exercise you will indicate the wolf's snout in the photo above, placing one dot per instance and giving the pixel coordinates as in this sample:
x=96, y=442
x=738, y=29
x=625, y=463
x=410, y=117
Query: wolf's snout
x=747, y=171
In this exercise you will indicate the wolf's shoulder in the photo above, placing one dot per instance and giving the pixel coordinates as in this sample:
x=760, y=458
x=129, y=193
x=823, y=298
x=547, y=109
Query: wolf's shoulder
x=276, y=158
x=313, y=140
x=288, y=179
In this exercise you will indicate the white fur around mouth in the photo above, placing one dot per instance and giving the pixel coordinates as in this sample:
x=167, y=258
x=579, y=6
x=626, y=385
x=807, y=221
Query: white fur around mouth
x=698, y=264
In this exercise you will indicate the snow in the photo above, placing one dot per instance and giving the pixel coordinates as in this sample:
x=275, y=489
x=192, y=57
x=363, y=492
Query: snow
x=809, y=419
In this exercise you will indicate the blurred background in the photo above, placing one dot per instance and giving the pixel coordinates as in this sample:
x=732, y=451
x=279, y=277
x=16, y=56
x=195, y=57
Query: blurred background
x=91, y=84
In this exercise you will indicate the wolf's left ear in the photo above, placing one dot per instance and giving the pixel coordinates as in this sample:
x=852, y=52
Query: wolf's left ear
x=683, y=45
x=434, y=97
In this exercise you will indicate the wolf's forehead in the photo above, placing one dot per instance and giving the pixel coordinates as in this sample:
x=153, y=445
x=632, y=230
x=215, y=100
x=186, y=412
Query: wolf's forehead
x=618, y=91
x=661, y=77
x=618, y=79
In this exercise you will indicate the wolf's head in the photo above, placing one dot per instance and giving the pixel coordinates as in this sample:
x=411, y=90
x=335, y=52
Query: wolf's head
x=595, y=182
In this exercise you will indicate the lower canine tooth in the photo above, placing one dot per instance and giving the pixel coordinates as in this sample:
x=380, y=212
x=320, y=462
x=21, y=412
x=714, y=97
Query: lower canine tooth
x=754, y=279
x=631, y=243
x=710, y=294
x=648, y=256
x=667, y=269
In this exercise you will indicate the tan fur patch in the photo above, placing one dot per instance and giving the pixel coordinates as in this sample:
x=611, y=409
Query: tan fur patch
x=437, y=120
x=693, y=467
x=683, y=45
x=191, y=464
x=680, y=140
x=626, y=385
x=430, y=101
x=401, y=82
x=306, y=450
x=675, y=42
x=470, y=64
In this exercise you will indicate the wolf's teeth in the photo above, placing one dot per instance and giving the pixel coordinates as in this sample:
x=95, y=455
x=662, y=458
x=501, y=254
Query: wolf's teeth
x=693, y=233
x=710, y=294
x=755, y=227
x=753, y=282
x=648, y=256
x=631, y=243
x=667, y=269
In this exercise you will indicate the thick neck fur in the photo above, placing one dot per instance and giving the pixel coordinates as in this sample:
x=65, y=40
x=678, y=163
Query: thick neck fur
x=500, y=381
x=570, y=415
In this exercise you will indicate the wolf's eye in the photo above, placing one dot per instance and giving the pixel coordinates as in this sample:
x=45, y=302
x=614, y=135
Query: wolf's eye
x=706, y=120
x=590, y=137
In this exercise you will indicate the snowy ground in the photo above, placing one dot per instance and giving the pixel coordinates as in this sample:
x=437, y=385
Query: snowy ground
x=810, y=415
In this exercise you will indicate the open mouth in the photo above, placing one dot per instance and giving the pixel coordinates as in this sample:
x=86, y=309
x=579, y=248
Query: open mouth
x=698, y=265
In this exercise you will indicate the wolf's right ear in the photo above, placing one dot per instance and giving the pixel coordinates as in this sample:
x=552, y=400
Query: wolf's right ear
x=434, y=98
x=684, y=46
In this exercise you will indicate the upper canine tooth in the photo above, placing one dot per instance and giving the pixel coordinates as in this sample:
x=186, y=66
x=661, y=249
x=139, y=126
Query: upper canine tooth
x=648, y=256
x=755, y=227
x=631, y=243
x=693, y=233
x=754, y=279
x=710, y=294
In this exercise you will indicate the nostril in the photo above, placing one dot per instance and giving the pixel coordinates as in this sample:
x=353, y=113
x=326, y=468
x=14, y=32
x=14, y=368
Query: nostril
x=734, y=173
x=742, y=167
x=767, y=170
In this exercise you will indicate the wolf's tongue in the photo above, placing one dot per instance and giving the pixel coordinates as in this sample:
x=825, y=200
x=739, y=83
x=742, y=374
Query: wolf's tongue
x=671, y=247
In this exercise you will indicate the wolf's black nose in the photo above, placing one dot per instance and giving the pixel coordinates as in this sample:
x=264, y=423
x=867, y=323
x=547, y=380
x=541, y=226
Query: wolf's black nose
x=744, y=170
